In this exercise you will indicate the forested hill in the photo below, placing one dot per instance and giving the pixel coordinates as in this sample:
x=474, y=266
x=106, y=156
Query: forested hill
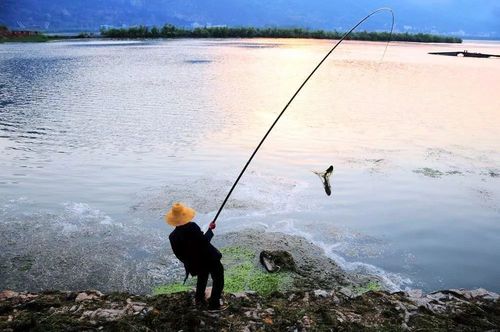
x=464, y=17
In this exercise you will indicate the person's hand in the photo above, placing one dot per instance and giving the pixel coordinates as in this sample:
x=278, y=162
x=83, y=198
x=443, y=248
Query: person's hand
x=212, y=225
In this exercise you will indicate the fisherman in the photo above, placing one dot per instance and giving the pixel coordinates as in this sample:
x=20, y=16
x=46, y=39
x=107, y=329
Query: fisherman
x=200, y=257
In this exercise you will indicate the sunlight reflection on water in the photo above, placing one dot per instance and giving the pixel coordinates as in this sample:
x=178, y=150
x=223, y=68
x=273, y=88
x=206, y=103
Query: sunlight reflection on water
x=128, y=127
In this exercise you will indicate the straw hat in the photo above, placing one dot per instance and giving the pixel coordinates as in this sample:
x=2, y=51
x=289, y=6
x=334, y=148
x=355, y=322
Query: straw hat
x=179, y=215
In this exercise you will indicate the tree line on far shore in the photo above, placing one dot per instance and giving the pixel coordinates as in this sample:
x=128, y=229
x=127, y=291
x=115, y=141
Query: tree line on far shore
x=171, y=31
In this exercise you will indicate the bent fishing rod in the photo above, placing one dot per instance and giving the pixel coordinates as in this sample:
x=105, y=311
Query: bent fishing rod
x=297, y=92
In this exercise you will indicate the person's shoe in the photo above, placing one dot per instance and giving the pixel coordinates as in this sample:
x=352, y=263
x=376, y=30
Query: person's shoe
x=216, y=308
x=201, y=303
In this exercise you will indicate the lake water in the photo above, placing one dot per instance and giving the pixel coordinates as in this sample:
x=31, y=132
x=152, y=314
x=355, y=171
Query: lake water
x=113, y=132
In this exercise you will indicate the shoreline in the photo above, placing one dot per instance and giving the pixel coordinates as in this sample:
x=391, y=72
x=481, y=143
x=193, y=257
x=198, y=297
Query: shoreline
x=312, y=293
x=79, y=257
x=76, y=38
x=458, y=310
x=54, y=37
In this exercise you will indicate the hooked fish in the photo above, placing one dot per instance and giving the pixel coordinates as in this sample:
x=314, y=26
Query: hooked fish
x=325, y=179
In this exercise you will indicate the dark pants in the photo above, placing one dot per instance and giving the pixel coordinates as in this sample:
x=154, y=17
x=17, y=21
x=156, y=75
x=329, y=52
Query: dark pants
x=216, y=271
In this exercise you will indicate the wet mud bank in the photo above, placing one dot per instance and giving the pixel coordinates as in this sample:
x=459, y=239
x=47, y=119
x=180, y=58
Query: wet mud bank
x=72, y=254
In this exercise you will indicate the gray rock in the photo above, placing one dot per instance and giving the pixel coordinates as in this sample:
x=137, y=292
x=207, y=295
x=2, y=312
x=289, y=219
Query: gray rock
x=85, y=297
x=251, y=314
x=439, y=296
x=240, y=295
x=321, y=293
x=269, y=311
x=306, y=322
x=414, y=293
x=483, y=293
x=107, y=314
x=8, y=294
x=277, y=260
x=134, y=307
x=306, y=297
x=347, y=292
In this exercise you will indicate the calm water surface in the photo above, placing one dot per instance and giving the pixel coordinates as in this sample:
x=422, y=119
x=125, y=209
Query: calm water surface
x=119, y=130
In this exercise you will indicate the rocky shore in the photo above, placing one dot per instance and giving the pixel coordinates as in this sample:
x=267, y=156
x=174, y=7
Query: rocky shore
x=306, y=291
x=316, y=310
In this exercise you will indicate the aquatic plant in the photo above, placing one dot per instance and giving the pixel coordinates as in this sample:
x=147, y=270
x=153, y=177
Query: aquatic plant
x=171, y=288
x=242, y=274
x=370, y=286
x=237, y=253
x=429, y=172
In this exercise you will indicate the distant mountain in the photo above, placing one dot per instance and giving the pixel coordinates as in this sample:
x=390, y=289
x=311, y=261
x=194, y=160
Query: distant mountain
x=460, y=17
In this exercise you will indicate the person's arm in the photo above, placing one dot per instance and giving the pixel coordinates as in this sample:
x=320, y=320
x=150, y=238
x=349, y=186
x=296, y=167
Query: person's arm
x=196, y=236
x=209, y=234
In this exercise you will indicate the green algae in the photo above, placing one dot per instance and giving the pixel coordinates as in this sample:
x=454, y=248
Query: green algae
x=241, y=274
x=237, y=253
x=171, y=288
x=429, y=172
x=370, y=286
x=268, y=283
x=435, y=173
x=246, y=277
x=236, y=278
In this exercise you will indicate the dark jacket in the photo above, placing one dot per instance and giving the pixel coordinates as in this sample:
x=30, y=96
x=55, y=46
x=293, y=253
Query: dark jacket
x=193, y=248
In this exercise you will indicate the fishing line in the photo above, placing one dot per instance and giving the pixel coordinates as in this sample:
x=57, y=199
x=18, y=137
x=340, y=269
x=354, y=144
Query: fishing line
x=297, y=92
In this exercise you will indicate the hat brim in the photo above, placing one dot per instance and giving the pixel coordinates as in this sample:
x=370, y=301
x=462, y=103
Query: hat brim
x=186, y=216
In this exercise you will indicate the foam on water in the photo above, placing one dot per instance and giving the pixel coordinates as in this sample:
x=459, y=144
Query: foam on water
x=82, y=213
x=76, y=246
x=259, y=195
x=391, y=281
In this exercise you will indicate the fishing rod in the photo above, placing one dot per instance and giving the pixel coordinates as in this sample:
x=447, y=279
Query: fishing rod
x=297, y=92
